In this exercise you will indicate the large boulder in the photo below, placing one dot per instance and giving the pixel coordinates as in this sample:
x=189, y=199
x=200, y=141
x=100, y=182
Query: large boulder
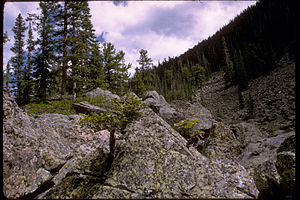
x=286, y=166
x=270, y=160
x=179, y=110
x=192, y=110
x=108, y=95
x=255, y=153
x=160, y=106
x=152, y=161
x=221, y=143
x=35, y=148
x=274, y=167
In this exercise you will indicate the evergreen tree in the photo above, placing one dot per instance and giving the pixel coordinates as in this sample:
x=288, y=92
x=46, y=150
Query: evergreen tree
x=145, y=69
x=144, y=61
x=94, y=60
x=62, y=43
x=198, y=75
x=123, y=78
x=17, y=61
x=5, y=38
x=187, y=86
x=206, y=65
x=28, y=82
x=76, y=49
x=83, y=46
x=44, y=61
x=7, y=76
x=114, y=68
x=240, y=71
x=95, y=76
x=229, y=72
x=138, y=86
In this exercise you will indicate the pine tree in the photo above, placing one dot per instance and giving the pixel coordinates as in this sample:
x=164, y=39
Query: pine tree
x=123, y=79
x=229, y=72
x=114, y=67
x=28, y=82
x=7, y=76
x=83, y=46
x=206, y=65
x=5, y=38
x=62, y=43
x=95, y=76
x=138, y=86
x=187, y=86
x=198, y=76
x=45, y=56
x=92, y=54
x=145, y=69
x=144, y=61
x=240, y=71
x=17, y=61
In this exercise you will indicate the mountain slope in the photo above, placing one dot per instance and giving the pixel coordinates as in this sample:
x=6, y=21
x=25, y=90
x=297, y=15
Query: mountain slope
x=273, y=98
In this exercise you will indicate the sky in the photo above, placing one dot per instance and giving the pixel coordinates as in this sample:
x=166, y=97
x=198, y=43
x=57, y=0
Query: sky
x=163, y=28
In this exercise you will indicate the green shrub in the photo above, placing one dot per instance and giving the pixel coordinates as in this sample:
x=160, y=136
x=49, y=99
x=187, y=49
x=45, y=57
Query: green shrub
x=271, y=129
x=185, y=127
x=187, y=124
x=199, y=133
x=116, y=119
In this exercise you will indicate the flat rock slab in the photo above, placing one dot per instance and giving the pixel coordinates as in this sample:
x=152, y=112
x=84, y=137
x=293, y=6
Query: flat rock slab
x=87, y=108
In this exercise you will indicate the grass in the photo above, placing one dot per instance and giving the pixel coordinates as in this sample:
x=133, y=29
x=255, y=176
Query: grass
x=64, y=106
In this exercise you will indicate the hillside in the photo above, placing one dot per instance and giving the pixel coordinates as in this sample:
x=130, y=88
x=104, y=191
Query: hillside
x=246, y=48
x=272, y=96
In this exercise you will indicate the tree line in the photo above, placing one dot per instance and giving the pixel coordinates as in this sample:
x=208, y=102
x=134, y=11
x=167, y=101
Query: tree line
x=65, y=58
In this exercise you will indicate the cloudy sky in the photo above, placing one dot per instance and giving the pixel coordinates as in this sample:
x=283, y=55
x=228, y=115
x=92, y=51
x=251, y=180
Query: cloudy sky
x=164, y=29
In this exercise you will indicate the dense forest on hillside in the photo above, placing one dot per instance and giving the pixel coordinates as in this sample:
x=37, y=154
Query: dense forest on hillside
x=246, y=48
x=67, y=59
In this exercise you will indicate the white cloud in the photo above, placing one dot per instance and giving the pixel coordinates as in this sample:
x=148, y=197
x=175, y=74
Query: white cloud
x=164, y=29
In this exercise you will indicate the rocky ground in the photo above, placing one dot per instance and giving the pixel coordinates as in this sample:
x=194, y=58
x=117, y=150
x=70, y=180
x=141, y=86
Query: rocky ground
x=273, y=97
x=52, y=156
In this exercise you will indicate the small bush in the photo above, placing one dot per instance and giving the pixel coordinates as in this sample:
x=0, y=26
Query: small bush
x=187, y=124
x=118, y=118
x=271, y=129
x=185, y=127
x=199, y=133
